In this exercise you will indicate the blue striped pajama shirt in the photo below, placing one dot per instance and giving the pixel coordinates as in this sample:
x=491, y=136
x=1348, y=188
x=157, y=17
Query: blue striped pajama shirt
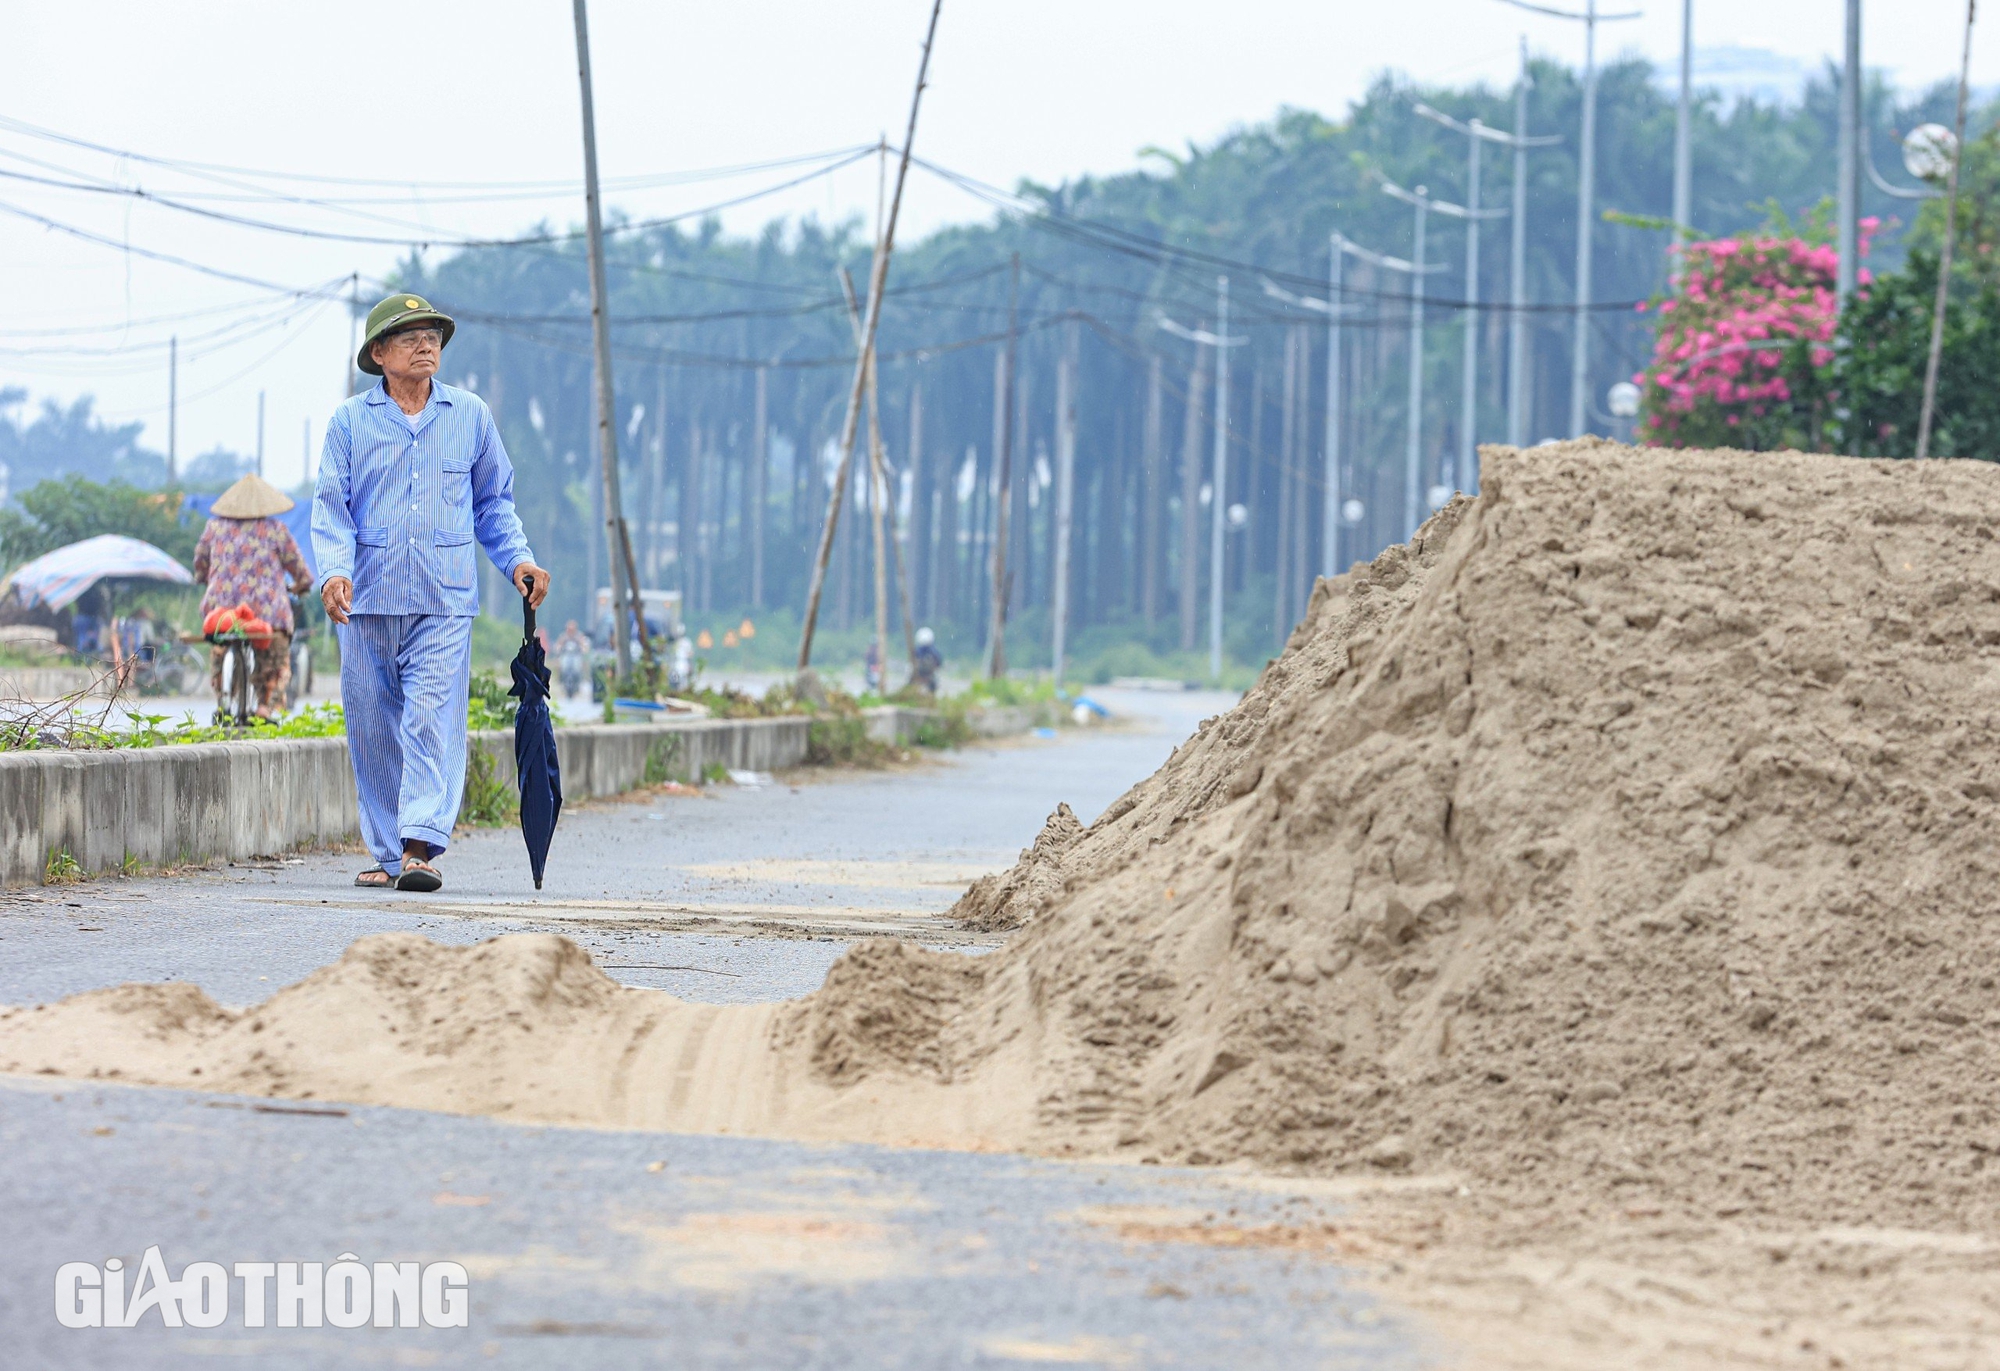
x=402, y=500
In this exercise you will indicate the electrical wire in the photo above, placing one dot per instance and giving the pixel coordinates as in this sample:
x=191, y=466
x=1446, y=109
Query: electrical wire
x=1111, y=238
x=574, y=187
x=435, y=240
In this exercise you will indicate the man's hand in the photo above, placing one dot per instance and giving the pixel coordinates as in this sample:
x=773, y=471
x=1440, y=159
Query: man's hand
x=337, y=595
x=541, y=587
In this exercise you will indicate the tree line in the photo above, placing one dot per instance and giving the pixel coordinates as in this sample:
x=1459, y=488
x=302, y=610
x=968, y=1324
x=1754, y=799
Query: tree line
x=733, y=354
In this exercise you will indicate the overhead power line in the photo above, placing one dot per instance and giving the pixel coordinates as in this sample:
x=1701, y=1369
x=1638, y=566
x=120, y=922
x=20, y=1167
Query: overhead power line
x=1112, y=238
x=567, y=186
x=430, y=240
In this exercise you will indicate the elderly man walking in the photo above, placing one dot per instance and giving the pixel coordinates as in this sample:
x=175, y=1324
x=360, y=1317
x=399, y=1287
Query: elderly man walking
x=412, y=472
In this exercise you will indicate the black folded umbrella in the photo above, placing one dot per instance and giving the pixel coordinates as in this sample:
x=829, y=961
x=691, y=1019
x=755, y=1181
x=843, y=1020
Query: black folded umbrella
x=535, y=745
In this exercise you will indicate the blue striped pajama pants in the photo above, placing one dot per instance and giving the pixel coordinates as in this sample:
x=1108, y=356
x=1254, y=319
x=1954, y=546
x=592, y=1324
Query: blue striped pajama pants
x=403, y=680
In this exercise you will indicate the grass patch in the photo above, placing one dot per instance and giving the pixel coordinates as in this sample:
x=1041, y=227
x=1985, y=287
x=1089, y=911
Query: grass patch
x=61, y=868
x=662, y=759
x=489, y=801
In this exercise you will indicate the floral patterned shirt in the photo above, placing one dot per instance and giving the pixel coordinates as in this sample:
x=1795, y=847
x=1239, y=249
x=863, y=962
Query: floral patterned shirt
x=253, y=562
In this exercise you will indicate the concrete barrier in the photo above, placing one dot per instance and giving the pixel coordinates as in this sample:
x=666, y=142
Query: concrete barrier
x=51, y=682
x=202, y=801
x=899, y=724
x=896, y=724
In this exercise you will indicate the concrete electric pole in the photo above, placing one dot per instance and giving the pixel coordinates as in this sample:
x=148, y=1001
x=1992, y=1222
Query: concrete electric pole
x=1477, y=133
x=1848, y=191
x=1586, y=202
x=1219, y=463
x=1684, y=148
x=607, y=425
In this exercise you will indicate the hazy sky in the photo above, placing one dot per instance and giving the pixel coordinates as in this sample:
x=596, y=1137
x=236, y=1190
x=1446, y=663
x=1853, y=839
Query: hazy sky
x=419, y=95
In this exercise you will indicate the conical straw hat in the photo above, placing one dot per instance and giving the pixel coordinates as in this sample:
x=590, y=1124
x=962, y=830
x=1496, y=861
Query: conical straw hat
x=253, y=497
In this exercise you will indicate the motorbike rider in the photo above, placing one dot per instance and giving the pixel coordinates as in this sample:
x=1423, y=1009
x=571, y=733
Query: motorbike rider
x=572, y=653
x=927, y=663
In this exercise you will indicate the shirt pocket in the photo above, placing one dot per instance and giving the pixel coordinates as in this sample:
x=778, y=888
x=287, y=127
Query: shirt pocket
x=370, y=547
x=456, y=479
x=455, y=555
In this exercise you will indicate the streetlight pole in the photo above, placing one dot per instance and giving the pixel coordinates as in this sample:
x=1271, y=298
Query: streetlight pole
x=1216, y=506
x=1420, y=199
x=1477, y=133
x=1586, y=196
x=1849, y=138
x=1218, y=500
x=1330, y=541
x=1335, y=310
x=1413, y=435
x=1517, y=270
x=1684, y=147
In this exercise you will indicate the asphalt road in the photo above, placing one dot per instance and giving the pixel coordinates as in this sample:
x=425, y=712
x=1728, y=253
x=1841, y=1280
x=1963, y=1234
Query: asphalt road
x=602, y=1249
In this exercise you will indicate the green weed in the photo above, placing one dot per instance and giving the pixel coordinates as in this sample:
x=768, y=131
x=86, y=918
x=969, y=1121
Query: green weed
x=61, y=868
x=489, y=801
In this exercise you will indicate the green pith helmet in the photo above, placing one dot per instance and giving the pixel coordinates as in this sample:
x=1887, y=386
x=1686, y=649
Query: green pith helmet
x=392, y=314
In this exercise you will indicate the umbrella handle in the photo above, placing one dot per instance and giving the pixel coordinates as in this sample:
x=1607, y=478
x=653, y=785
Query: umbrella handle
x=527, y=610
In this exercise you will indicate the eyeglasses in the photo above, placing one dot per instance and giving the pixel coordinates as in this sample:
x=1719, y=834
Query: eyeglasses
x=412, y=337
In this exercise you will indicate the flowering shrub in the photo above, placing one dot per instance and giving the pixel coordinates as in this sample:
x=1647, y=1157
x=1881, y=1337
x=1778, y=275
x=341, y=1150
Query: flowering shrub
x=1744, y=353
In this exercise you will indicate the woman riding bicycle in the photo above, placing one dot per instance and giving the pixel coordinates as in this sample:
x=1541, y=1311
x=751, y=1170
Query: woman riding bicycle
x=249, y=558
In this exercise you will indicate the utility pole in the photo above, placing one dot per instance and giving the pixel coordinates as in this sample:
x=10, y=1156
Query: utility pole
x=1586, y=197
x=1468, y=393
x=1220, y=476
x=1336, y=308
x=1517, y=269
x=308, y=468
x=1413, y=433
x=607, y=414
x=174, y=405
x=1419, y=199
x=1950, y=232
x=760, y=445
x=1684, y=148
x=996, y=662
x=878, y=476
x=1065, y=495
x=877, y=276
x=353, y=367
x=1218, y=501
x=1849, y=139
x=1155, y=490
x=1340, y=247
x=260, y=435
x=1476, y=133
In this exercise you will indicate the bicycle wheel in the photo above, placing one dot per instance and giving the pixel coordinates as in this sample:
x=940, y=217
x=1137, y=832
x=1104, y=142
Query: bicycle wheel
x=239, y=685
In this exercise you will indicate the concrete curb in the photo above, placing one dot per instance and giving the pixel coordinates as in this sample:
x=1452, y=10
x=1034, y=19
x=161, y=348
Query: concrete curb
x=51, y=682
x=203, y=801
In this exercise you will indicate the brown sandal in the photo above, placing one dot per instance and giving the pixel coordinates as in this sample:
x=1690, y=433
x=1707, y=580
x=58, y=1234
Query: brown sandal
x=418, y=875
x=375, y=878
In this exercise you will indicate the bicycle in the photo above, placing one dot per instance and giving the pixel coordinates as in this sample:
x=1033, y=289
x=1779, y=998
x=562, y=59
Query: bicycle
x=232, y=702
x=301, y=683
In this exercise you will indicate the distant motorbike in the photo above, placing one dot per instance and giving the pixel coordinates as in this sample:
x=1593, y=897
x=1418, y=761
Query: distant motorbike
x=570, y=668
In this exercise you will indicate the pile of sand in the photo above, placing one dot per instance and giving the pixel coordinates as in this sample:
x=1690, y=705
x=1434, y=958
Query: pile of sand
x=1632, y=827
x=1628, y=829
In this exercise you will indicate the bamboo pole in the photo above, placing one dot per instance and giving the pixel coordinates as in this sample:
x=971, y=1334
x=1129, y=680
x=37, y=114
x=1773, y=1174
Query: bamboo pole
x=877, y=276
x=1944, y=257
